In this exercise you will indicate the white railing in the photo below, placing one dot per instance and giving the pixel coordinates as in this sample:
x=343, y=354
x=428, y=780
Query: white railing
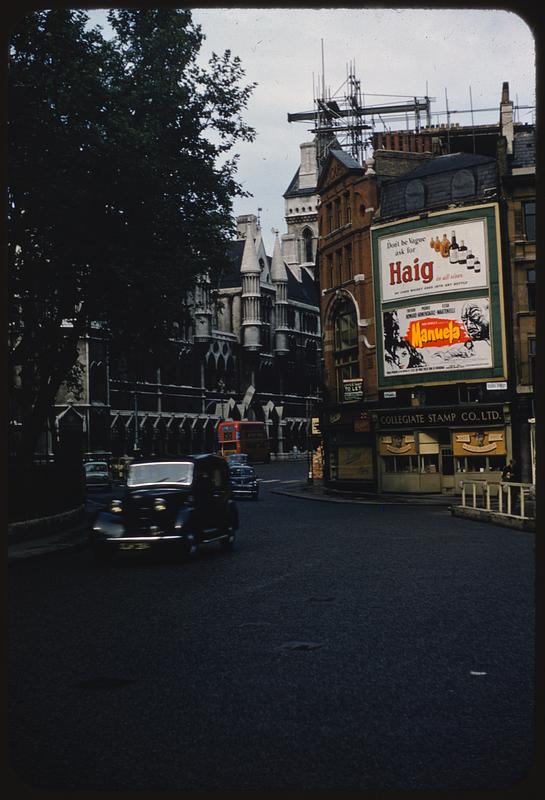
x=510, y=499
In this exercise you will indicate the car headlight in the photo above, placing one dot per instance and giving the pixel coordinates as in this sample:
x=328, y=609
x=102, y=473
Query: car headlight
x=116, y=507
x=160, y=504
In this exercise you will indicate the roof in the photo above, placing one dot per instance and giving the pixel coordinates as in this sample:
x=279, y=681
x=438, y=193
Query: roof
x=305, y=291
x=293, y=189
x=524, y=149
x=230, y=278
x=346, y=159
x=447, y=163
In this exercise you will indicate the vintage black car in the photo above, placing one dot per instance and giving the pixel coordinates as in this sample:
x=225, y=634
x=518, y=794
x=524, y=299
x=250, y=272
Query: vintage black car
x=244, y=482
x=179, y=503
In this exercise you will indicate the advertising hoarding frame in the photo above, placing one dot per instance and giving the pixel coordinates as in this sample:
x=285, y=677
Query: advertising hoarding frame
x=424, y=222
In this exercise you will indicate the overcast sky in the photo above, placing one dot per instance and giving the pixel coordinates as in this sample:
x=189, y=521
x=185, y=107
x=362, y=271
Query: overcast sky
x=399, y=52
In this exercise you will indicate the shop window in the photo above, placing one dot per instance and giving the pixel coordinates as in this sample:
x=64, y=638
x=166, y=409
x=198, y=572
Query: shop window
x=496, y=463
x=480, y=463
x=531, y=287
x=529, y=211
x=400, y=464
x=429, y=463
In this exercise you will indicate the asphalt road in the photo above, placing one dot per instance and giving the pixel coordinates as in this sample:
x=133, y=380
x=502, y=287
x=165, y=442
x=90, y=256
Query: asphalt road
x=339, y=647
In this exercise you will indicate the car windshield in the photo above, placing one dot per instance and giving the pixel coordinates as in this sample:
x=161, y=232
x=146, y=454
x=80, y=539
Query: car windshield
x=242, y=472
x=161, y=472
x=96, y=468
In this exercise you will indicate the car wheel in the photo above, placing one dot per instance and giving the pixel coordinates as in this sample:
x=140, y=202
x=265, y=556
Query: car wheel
x=228, y=543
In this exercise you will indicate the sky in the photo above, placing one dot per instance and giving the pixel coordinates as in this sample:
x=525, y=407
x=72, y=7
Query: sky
x=397, y=54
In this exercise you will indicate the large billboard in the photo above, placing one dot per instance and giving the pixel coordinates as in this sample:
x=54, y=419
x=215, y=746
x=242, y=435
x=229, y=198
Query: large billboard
x=443, y=258
x=438, y=298
x=438, y=337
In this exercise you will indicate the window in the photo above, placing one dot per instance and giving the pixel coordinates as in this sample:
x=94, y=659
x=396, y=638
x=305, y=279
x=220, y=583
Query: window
x=531, y=287
x=346, y=345
x=329, y=218
x=415, y=196
x=463, y=184
x=529, y=211
x=348, y=260
x=532, y=358
x=307, y=245
x=400, y=463
x=339, y=259
x=330, y=270
x=338, y=214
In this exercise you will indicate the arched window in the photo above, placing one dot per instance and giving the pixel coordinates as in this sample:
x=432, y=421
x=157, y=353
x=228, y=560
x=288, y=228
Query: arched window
x=345, y=329
x=463, y=184
x=415, y=196
x=307, y=245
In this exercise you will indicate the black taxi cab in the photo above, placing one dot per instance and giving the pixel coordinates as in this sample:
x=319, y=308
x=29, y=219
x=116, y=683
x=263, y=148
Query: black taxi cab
x=177, y=503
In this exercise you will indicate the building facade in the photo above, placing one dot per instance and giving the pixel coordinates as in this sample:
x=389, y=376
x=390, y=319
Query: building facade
x=449, y=258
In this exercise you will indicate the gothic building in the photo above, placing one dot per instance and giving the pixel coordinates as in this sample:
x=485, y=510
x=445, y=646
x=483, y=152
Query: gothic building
x=252, y=350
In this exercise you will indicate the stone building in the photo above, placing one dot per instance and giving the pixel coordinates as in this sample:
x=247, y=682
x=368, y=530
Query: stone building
x=250, y=350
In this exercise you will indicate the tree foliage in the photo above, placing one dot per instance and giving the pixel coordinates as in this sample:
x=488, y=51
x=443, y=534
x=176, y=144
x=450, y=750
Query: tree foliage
x=120, y=185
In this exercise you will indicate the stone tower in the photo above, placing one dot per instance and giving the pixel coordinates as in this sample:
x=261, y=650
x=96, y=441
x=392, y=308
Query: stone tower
x=280, y=279
x=300, y=243
x=251, y=294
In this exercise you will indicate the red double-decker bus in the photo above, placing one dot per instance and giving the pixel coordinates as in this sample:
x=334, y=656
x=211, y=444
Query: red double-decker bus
x=236, y=436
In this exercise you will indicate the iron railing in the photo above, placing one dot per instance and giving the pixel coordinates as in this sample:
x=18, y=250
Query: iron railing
x=509, y=499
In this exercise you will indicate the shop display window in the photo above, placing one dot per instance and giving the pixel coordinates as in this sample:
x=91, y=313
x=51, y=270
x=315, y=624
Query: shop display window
x=400, y=464
x=480, y=463
x=429, y=463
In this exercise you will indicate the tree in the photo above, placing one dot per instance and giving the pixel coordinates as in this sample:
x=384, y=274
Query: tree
x=120, y=187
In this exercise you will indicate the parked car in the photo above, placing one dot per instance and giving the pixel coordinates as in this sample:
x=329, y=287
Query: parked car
x=97, y=475
x=179, y=503
x=244, y=482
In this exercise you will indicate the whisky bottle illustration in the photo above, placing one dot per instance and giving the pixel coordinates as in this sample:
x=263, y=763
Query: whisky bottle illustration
x=470, y=260
x=453, y=251
x=462, y=254
x=445, y=246
x=477, y=265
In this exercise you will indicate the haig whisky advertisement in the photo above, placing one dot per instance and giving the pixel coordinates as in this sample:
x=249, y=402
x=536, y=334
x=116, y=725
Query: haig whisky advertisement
x=447, y=257
x=438, y=337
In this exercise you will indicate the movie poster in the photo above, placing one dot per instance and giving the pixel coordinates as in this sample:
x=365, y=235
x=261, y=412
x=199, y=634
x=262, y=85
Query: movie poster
x=451, y=257
x=438, y=337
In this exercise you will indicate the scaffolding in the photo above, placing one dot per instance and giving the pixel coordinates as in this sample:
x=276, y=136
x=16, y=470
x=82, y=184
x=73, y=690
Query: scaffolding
x=344, y=119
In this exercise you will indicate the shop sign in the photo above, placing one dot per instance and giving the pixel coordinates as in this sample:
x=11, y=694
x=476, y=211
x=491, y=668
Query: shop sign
x=315, y=426
x=352, y=389
x=496, y=385
x=444, y=417
x=477, y=443
x=363, y=423
x=397, y=444
x=355, y=463
x=388, y=395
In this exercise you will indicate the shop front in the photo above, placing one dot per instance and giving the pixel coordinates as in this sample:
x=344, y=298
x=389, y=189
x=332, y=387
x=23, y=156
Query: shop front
x=432, y=450
x=349, y=460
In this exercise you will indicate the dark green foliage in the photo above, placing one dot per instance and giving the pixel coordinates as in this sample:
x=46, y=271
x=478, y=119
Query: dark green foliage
x=120, y=187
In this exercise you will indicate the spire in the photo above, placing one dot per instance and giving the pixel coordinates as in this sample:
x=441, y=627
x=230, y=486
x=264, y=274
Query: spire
x=278, y=269
x=250, y=264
